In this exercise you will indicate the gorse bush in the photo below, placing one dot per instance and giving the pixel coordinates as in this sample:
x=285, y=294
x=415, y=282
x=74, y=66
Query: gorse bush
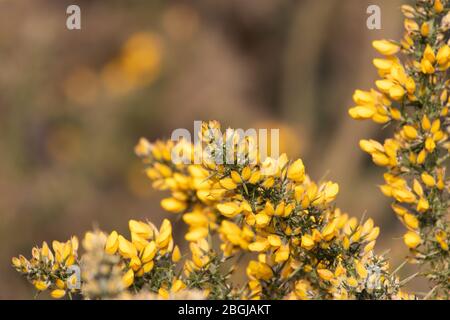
x=413, y=97
x=300, y=245
x=267, y=215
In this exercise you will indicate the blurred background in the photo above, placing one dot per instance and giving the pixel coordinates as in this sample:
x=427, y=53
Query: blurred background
x=74, y=103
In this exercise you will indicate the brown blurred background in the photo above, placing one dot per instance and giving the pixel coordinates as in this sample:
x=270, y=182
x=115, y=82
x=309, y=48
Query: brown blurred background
x=74, y=103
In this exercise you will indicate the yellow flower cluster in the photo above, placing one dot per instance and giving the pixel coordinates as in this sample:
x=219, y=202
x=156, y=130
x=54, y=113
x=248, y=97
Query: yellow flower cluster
x=147, y=247
x=110, y=264
x=299, y=244
x=413, y=94
x=272, y=208
x=49, y=269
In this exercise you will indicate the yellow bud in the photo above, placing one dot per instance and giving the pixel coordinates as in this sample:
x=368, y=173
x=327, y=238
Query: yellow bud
x=296, y=171
x=384, y=65
x=384, y=85
x=126, y=248
x=149, y=252
x=16, y=262
x=229, y=209
x=417, y=188
x=196, y=234
x=274, y=240
x=330, y=191
x=58, y=293
x=438, y=136
x=41, y=285
x=396, y=114
x=385, y=47
x=255, y=177
x=443, y=55
x=397, y=92
x=435, y=126
x=307, y=242
x=173, y=205
x=380, y=159
x=412, y=239
x=425, y=29
x=426, y=124
x=429, y=54
x=369, y=247
x=148, y=266
x=444, y=96
x=441, y=237
x=328, y=232
x=279, y=211
x=261, y=244
x=282, y=254
x=411, y=221
x=428, y=180
x=367, y=227
x=362, y=112
x=410, y=132
x=410, y=86
x=373, y=234
x=135, y=263
x=141, y=228
x=325, y=274
x=352, y=282
x=438, y=6
x=228, y=183
x=112, y=243
x=399, y=210
x=423, y=205
x=360, y=269
x=246, y=173
x=143, y=148
x=262, y=220
x=411, y=25
x=177, y=285
x=236, y=177
x=165, y=234
x=268, y=183
x=176, y=254
x=371, y=146
x=422, y=156
x=60, y=284
x=164, y=170
x=427, y=66
x=430, y=145
x=128, y=278
x=346, y=243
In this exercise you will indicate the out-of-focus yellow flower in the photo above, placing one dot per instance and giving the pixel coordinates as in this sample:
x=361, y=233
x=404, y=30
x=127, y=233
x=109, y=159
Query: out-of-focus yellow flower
x=296, y=171
x=58, y=293
x=386, y=47
x=128, y=278
x=173, y=205
x=412, y=239
x=325, y=274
